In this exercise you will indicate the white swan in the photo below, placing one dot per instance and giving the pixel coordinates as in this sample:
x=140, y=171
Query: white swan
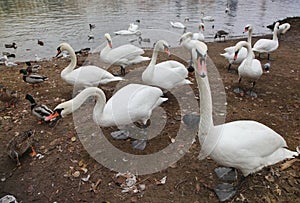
x=283, y=28
x=245, y=145
x=199, y=35
x=229, y=51
x=187, y=42
x=250, y=68
x=133, y=27
x=267, y=45
x=133, y=102
x=85, y=76
x=167, y=74
x=123, y=55
x=206, y=18
x=128, y=32
x=177, y=25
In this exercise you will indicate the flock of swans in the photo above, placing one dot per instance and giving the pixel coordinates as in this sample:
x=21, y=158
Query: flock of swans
x=244, y=144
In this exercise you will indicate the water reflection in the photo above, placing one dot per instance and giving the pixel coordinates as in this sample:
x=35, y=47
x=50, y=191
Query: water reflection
x=54, y=21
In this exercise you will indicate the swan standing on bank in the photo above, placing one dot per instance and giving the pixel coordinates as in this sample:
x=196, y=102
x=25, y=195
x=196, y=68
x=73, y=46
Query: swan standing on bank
x=130, y=104
x=250, y=68
x=85, y=76
x=244, y=144
x=167, y=74
x=230, y=51
x=267, y=45
x=123, y=55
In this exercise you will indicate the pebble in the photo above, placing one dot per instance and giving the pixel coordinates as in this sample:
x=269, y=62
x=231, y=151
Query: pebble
x=76, y=174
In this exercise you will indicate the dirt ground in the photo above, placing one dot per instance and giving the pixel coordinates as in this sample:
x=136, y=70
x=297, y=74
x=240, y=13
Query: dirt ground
x=53, y=178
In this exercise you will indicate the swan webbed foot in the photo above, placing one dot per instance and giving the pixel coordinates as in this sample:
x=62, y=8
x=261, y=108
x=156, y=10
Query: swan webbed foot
x=225, y=191
x=120, y=135
x=191, y=120
x=226, y=174
x=251, y=93
x=139, y=144
x=238, y=90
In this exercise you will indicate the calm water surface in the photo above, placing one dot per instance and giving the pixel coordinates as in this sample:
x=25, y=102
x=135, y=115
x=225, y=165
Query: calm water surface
x=55, y=21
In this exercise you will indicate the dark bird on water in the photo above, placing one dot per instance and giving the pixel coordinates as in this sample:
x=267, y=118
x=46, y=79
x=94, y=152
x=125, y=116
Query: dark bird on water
x=92, y=26
x=220, y=34
x=40, y=42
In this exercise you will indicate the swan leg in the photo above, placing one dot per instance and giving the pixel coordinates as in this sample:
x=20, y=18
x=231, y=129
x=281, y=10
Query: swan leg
x=268, y=56
x=140, y=144
x=226, y=189
x=122, y=71
x=120, y=134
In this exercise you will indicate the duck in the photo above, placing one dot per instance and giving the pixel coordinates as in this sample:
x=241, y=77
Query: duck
x=250, y=68
x=32, y=68
x=12, y=45
x=123, y=56
x=220, y=34
x=186, y=40
x=246, y=145
x=39, y=110
x=206, y=18
x=85, y=76
x=199, y=36
x=177, y=25
x=19, y=144
x=8, y=97
x=229, y=51
x=92, y=26
x=132, y=103
x=40, y=42
x=91, y=37
x=267, y=45
x=32, y=78
x=167, y=74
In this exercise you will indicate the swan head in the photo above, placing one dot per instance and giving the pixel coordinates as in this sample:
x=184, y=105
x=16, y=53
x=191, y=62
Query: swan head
x=238, y=47
x=248, y=28
x=276, y=27
x=63, y=47
x=108, y=38
x=162, y=45
x=185, y=36
x=201, y=26
x=60, y=111
x=199, y=55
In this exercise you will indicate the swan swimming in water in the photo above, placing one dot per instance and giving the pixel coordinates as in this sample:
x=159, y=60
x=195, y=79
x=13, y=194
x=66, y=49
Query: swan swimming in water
x=85, y=76
x=123, y=56
x=167, y=74
x=131, y=103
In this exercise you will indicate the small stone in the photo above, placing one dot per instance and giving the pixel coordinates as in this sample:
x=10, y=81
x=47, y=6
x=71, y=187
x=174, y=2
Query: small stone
x=76, y=174
x=73, y=139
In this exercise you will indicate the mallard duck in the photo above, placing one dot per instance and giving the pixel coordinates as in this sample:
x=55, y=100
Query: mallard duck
x=220, y=34
x=32, y=78
x=39, y=110
x=92, y=26
x=19, y=144
x=8, y=97
x=12, y=45
x=40, y=42
x=32, y=68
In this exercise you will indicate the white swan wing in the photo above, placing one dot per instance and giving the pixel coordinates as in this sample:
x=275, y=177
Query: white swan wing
x=132, y=103
x=90, y=76
x=249, y=146
x=265, y=45
x=167, y=75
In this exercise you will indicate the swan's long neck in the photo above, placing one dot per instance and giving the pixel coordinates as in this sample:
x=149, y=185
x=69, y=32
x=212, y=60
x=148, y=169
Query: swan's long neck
x=72, y=64
x=74, y=104
x=250, y=37
x=206, y=119
x=153, y=58
x=275, y=38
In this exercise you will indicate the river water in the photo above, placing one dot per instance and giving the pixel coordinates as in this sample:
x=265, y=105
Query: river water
x=56, y=21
